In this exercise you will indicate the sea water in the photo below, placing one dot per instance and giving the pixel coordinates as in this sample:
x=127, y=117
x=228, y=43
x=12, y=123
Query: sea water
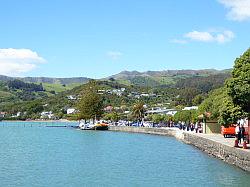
x=35, y=154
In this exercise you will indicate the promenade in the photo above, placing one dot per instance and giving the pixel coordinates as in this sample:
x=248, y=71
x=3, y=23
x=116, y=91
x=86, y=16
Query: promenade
x=220, y=139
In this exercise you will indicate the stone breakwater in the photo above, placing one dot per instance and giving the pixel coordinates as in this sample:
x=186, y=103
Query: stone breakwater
x=227, y=153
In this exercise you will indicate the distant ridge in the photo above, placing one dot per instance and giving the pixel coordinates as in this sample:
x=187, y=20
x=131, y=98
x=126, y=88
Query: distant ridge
x=147, y=78
x=170, y=73
x=165, y=77
x=50, y=80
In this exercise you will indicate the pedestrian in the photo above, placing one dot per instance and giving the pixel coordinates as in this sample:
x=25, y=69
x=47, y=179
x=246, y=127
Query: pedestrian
x=242, y=133
x=237, y=132
x=192, y=126
x=196, y=127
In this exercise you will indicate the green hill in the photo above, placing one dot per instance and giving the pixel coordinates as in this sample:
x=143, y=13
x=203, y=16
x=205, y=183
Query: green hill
x=49, y=80
x=163, y=86
x=162, y=78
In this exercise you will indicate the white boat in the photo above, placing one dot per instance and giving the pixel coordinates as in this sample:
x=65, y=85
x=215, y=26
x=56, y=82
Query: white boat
x=86, y=126
x=91, y=126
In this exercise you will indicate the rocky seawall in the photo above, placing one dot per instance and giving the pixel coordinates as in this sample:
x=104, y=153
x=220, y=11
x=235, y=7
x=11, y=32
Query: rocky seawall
x=229, y=154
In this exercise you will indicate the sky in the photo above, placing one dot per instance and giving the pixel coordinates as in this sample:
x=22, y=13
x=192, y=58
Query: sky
x=97, y=38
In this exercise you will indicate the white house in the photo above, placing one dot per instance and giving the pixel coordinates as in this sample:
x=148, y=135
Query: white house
x=171, y=113
x=48, y=115
x=161, y=111
x=71, y=97
x=18, y=114
x=123, y=89
x=191, y=108
x=71, y=111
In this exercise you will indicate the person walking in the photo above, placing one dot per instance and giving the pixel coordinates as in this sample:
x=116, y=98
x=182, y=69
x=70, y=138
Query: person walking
x=242, y=132
x=237, y=132
x=196, y=126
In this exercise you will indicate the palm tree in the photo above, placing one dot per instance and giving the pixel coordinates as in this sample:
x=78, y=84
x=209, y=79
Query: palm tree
x=138, y=110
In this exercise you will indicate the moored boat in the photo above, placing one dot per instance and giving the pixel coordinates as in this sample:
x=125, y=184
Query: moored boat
x=86, y=126
x=91, y=126
x=101, y=126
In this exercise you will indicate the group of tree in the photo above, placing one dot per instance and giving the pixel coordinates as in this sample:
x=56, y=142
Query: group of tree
x=18, y=84
x=231, y=102
x=203, y=84
x=91, y=103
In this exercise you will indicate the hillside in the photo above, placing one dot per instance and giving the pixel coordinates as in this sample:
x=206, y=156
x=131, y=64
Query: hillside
x=148, y=78
x=163, y=78
x=50, y=86
x=49, y=80
x=177, y=87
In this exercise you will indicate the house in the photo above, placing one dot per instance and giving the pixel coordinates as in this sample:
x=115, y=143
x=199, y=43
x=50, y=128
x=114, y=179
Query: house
x=47, y=115
x=18, y=114
x=171, y=113
x=71, y=97
x=137, y=96
x=71, y=111
x=100, y=92
x=117, y=92
x=161, y=111
x=191, y=108
x=144, y=95
x=108, y=109
x=3, y=114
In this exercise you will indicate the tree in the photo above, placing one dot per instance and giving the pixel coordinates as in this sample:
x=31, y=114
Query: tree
x=138, y=110
x=221, y=107
x=157, y=118
x=239, y=85
x=91, y=103
x=198, y=99
x=114, y=116
x=186, y=116
x=186, y=96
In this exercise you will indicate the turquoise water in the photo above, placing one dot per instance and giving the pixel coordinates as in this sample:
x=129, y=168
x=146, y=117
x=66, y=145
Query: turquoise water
x=34, y=155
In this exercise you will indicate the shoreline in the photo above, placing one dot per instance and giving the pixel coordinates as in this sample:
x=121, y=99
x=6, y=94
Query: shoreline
x=207, y=143
x=52, y=121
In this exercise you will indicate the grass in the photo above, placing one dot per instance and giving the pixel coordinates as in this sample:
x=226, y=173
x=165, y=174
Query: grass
x=4, y=94
x=164, y=80
x=123, y=81
x=59, y=87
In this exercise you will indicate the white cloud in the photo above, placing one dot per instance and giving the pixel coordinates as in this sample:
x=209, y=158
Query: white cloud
x=199, y=36
x=219, y=37
x=16, y=61
x=239, y=10
x=114, y=54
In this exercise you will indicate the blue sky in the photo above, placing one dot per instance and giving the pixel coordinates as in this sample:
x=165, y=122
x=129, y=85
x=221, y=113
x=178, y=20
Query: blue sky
x=97, y=38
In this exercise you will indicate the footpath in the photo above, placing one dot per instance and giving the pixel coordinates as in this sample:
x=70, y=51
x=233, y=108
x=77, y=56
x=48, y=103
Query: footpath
x=220, y=139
